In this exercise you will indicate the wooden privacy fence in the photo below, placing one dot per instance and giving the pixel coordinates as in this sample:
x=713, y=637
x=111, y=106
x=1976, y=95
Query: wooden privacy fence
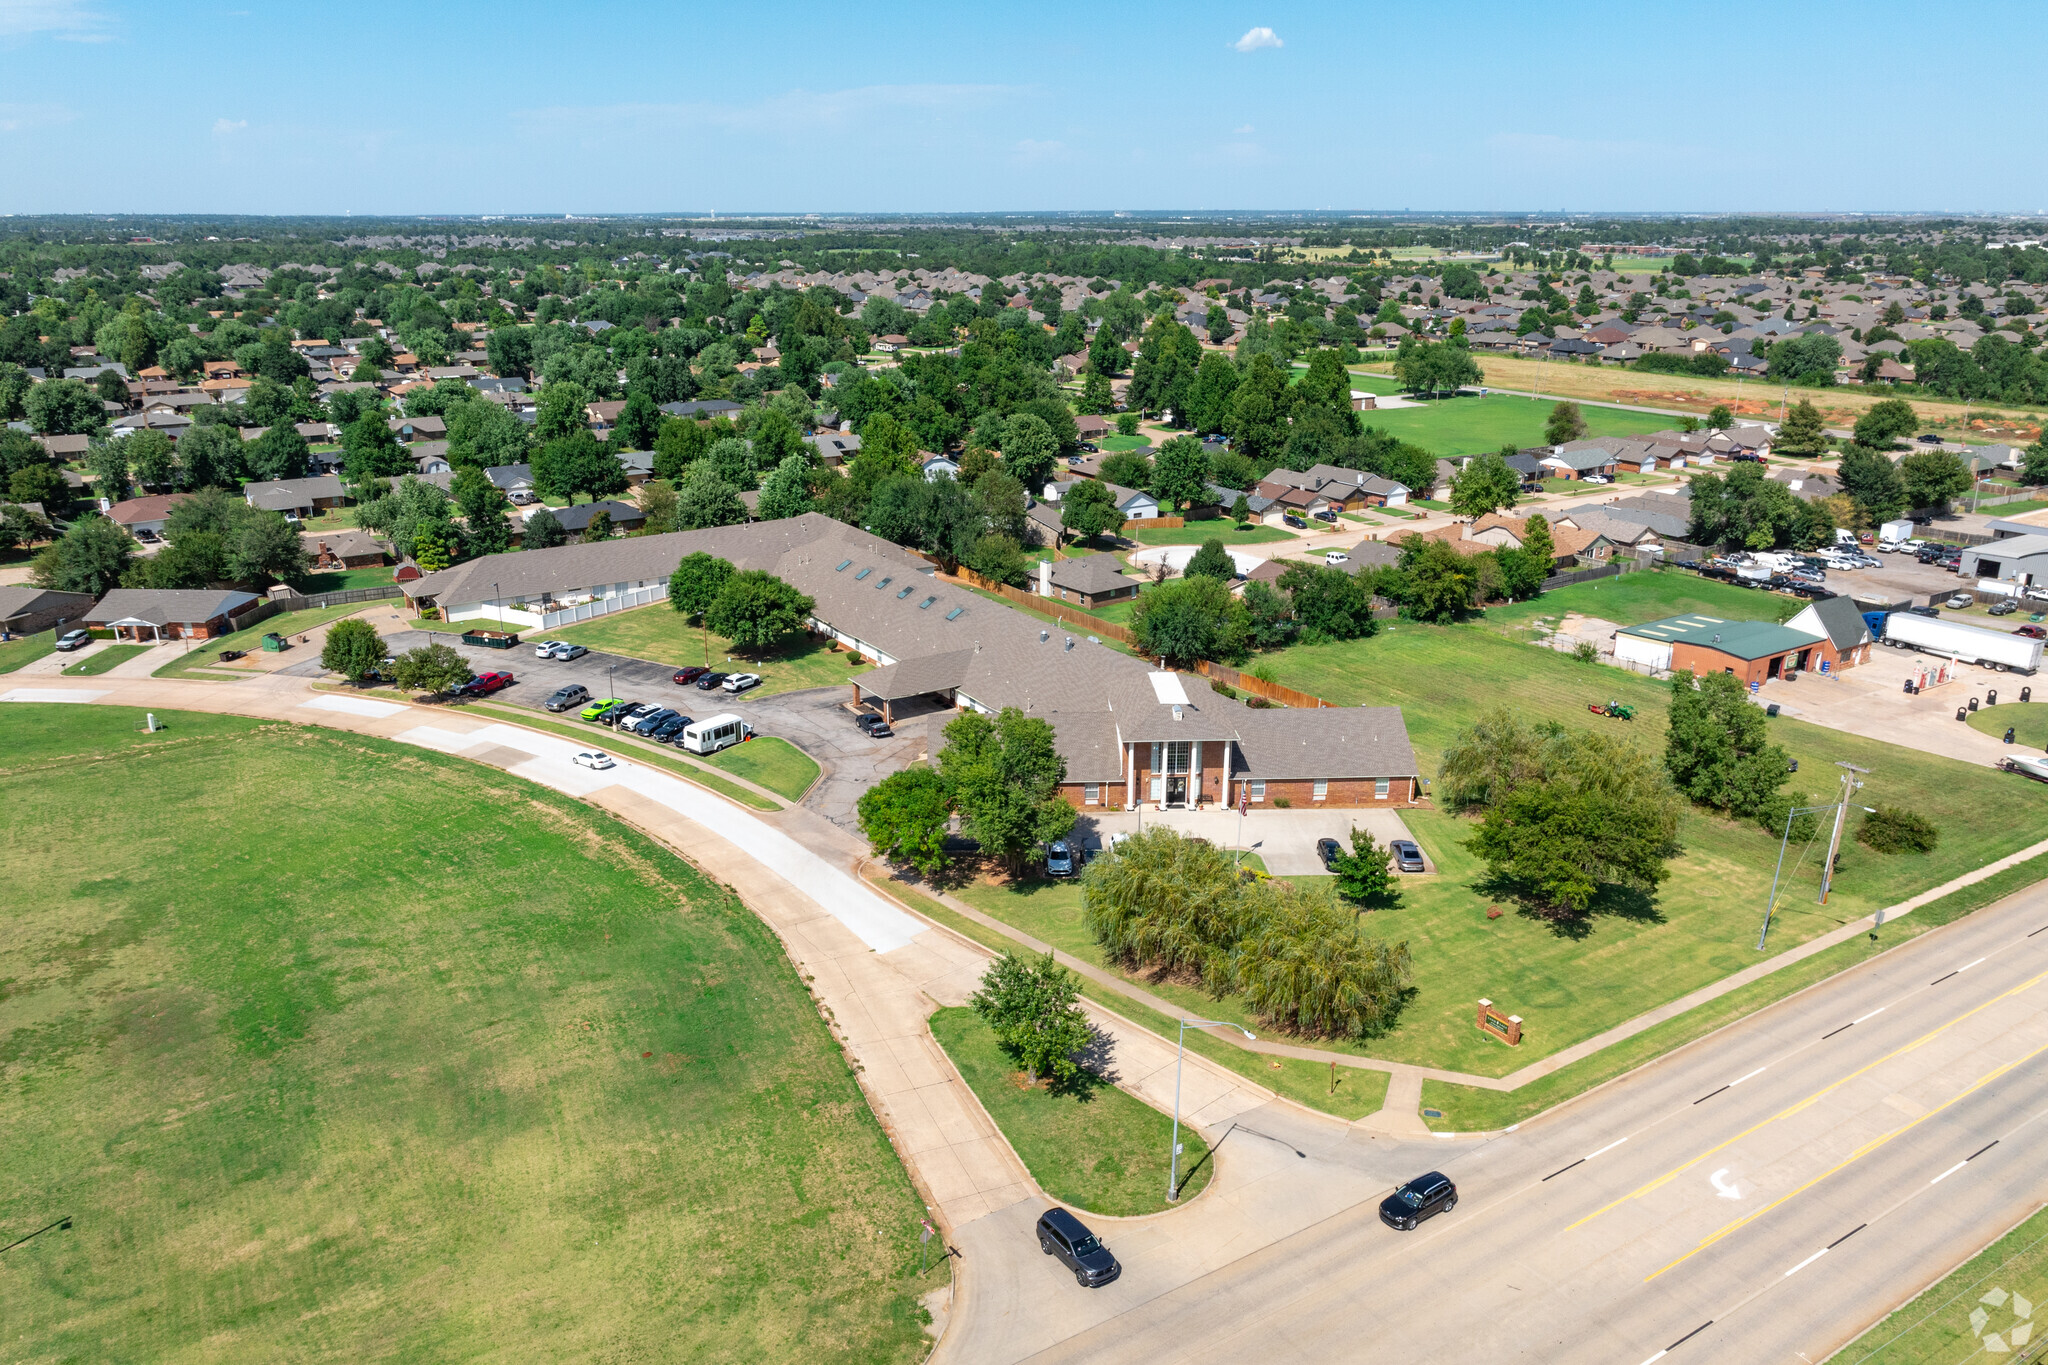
x=1258, y=687
x=1062, y=612
x=1159, y=523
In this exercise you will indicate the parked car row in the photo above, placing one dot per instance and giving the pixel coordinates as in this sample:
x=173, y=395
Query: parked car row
x=705, y=679
x=1407, y=855
x=557, y=649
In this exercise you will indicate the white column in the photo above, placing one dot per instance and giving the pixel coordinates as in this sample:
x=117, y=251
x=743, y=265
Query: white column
x=1130, y=777
x=1226, y=772
x=1195, y=776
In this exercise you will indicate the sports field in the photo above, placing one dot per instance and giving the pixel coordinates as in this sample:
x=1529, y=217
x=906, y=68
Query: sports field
x=1472, y=425
x=333, y=1048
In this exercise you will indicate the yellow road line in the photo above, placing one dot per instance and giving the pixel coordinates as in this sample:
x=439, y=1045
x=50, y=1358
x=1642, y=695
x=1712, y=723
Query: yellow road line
x=1818, y=1095
x=1865, y=1150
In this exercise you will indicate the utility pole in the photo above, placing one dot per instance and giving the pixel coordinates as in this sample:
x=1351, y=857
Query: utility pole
x=1849, y=786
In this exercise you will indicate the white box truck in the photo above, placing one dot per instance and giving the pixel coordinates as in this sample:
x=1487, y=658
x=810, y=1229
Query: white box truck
x=1894, y=534
x=1964, y=644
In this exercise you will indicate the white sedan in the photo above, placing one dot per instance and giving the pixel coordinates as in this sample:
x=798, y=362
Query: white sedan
x=1336, y=557
x=546, y=649
x=1594, y=478
x=740, y=682
x=597, y=760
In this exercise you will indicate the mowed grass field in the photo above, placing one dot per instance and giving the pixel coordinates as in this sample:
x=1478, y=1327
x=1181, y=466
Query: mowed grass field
x=337, y=1049
x=204, y=655
x=1474, y=425
x=769, y=762
x=2027, y=720
x=1569, y=983
x=26, y=649
x=658, y=632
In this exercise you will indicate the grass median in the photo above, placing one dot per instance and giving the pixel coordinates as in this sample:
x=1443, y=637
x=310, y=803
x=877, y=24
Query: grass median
x=353, y=1081
x=105, y=660
x=771, y=762
x=1088, y=1144
x=1941, y=1325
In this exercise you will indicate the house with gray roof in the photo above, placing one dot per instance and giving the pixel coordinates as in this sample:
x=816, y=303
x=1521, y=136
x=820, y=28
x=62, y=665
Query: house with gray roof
x=1125, y=730
x=153, y=614
x=1089, y=581
x=26, y=610
x=297, y=498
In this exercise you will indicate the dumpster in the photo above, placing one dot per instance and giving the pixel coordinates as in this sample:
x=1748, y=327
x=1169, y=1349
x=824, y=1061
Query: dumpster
x=273, y=643
x=490, y=639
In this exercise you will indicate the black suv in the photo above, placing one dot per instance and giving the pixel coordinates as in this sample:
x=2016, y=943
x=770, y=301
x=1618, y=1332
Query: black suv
x=1423, y=1197
x=1329, y=850
x=1065, y=1236
x=575, y=694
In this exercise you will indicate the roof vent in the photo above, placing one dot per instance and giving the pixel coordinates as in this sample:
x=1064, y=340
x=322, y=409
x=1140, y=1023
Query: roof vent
x=1717, y=639
x=1044, y=635
x=1177, y=713
x=1070, y=642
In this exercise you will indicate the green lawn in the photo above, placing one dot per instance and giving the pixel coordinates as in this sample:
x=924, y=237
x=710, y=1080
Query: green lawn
x=413, y=1100
x=1214, y=528
x=2029, y=722
x=1091, y=1145
x=26, y=649
x=659, y=633
x=343, y=580
x=1937, y=1328
x=205, y=654
x=105, y=660
x=1474, y=425
x=1110, y=444
x=770, y=762
x=1645, y=595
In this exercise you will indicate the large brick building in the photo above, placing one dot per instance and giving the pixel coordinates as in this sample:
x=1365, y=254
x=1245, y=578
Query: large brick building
x=1754, y=651
x=1127, y=731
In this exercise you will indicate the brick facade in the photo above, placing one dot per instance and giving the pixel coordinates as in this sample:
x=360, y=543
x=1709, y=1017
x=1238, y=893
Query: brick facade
x=1705, y=659
x=1299, y=793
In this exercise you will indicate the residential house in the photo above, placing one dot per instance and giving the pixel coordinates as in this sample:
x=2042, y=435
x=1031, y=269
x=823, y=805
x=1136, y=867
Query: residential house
x=411, y=429
x=935, y=465
x=1577, y=459
x=704, y=409
x=152, y=614
x=575, y=520
x=1089, y=581
x=515, y=481
x=26, y=610
x=144, y=518
x=337, y=550
x=602, y=417
x=297, y=498
x=834, y=448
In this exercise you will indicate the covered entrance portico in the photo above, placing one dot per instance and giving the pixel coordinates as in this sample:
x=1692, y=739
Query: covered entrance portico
x=1177, y=774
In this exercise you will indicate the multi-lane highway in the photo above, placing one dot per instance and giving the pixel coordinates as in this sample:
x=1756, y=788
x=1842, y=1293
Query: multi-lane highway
x=1762, y=1196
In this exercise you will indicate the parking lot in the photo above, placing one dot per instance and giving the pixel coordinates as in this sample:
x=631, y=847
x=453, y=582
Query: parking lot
x=817, y=721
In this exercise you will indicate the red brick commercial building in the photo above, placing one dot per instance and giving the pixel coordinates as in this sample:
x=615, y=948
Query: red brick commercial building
x=1754, y=651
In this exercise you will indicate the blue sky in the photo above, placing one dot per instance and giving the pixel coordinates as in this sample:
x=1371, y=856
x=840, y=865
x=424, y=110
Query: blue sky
x=598, y=106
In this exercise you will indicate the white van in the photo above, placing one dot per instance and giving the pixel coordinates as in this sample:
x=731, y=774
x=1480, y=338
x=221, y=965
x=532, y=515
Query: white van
x=713, y=733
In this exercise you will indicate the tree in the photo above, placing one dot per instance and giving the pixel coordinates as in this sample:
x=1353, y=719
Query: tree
x=1807, y=359
x=1211, y=561
x=1744, y=508
x=483, y=506
x=577, y=464
x=372, y=452
x=708, y=500
x=2034, y=463
x=107, y=462
x=265, y=548
x=1802, y=432
x=1032, y=1005
x=1003, y=774
x=543, y=530
x=694, y=585
x=151, y=458
x=62, y=407
x=1717, y=746
x=1180, y=472
x=89, y=557
x=279, y=453
x=1106, y=355
x=1127, y=469
x=353, y=649
x=1089, y=509
x=658, y=504
x=1191, y=619
x=1538, y=543
x=1029, y=448
x=1127, y=424
x=436, y=544
x=1720, y=418
x=905, y=816
x=1436, y=582
x=638, y=424
x=1485, y=485
x=1932, y=478
x=1566, y=424
x=1241, y=510
x=558, y=412
x=787, y=491
x=402, y=511
x=1328, y=603
x=1303, y=965
x=1893, y=829
x=1209, y=401
x=754, y=609
x=1434, y=366
x=1885, y=422
x=1873, y=483
x=1366, y=874
x=434, y=669
x=484, y=434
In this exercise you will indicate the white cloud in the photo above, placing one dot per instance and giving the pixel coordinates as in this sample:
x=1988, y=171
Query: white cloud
x=224, y=126
x=1257, y=38
x=15, y=118
x=66, y=19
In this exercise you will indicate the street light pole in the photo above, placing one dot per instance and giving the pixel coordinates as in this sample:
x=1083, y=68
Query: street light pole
x=1173, y=1158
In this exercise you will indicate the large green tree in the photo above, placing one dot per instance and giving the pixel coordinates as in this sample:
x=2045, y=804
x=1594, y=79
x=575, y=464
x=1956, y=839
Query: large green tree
x=577, y=464
x=1486, y=484
x=1190, y=619
x=1033, y=1006
x=1089, y=509
x=1933, y=478
x=694, y=585
x=432, y=668
x=905, y=817
x=1717, y=747
x=353, y=649
x=1180, y=473
x=1003, y=775
x=89, y=557
x=754, y=609
x=1872, y=482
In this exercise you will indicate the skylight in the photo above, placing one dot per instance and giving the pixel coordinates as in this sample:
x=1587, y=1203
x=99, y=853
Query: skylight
x=906, y=592
x=886, y=581
x=955, y=612
x=927, y=602
x=842, y=566
x=863, y=574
